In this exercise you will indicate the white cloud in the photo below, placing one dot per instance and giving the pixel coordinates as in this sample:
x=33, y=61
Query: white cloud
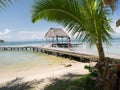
x=36, y=36
x=6, y=35
x=33, y=36
x=6, y=32
x=28, y=35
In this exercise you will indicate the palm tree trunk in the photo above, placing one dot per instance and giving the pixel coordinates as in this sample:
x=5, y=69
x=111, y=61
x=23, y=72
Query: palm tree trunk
x=100, y=65
x=104, y=73
x=101, y=58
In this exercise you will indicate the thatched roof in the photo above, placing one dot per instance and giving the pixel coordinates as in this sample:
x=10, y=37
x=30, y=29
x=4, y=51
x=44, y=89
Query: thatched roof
x=56, y=32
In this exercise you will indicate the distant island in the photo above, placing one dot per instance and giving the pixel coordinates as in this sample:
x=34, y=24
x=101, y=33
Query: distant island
x=1, y=41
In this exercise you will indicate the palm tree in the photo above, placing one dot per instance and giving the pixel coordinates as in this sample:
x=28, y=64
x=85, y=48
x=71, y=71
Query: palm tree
x=85, y=18
x=5, y=3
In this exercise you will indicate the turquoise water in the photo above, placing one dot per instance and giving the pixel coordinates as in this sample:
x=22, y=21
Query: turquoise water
x=19, y=43
x=14, y=57
x=111, y=51
x=21, y=58
x=17, y=57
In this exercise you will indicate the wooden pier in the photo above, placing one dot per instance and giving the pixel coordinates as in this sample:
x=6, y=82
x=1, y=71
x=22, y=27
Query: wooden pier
x=64, y=45
x=55, y=51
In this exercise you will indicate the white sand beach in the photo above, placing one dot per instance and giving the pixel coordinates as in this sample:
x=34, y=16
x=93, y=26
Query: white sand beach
x=33, y=71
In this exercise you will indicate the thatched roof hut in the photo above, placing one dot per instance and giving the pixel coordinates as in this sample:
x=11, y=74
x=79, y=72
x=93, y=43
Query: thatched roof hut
x=56, y=33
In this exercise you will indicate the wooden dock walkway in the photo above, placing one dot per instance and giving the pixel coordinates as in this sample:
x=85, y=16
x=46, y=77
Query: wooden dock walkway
x=65, y=53
x=65, y=45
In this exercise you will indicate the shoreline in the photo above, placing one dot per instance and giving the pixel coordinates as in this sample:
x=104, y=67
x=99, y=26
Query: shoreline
x=32, y=73
x=85, y=52
x=51, y=71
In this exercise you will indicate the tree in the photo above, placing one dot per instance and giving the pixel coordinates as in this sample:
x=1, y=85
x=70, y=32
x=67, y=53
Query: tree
x=5, y=3
x=85, y=18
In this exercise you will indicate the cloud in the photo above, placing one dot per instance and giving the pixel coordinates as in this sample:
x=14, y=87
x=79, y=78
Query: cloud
x=33, y=36
x=6, y=35
x=29, y=35
x=6, y=32
x=36, y=37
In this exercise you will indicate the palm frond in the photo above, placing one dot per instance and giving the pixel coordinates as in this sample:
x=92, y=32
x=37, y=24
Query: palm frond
x=5, y=3
x=84, y=18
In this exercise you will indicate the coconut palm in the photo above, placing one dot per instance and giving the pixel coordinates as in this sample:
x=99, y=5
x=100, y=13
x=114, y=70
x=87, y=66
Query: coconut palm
x=5, y=3
x=86, y=19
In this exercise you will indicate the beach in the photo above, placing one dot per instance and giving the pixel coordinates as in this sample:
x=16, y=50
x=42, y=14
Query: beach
x=29, y=66
x=34, y=70
x=38, y=73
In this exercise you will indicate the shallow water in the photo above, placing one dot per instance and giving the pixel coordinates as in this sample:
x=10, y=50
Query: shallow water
x=21, y=58
x=13, y=59
x=28, y=65
x=110, y=51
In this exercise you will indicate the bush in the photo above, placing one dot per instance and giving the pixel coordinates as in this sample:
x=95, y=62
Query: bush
x=86, y=82
x=1, y=41
x=82, y=83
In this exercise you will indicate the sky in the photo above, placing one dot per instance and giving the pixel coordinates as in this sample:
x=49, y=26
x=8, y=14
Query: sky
x=16, y=25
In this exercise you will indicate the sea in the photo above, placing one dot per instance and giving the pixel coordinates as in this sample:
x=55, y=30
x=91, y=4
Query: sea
x=17, y=57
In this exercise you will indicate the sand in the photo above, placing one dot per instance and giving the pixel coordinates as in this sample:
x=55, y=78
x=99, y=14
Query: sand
x=33, y=72
x=38, y=73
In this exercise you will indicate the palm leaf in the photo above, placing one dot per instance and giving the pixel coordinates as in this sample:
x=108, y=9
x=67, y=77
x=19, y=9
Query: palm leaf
x=84, y=18
x=5, y=3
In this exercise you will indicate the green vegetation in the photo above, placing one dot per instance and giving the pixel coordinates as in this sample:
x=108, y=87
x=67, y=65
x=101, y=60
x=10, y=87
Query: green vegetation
x=85, y=19
x=5, y=3
x=1, y=41
x=67, y=82
x=76, y=16
x=81, y=83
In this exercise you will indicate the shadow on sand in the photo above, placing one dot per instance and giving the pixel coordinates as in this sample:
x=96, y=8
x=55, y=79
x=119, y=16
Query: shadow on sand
x=65, y=83
x=56, y=83
x=18, y=84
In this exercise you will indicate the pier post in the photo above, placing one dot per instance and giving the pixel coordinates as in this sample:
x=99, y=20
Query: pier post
x=70, y=57
x=25, y=48
x=37, y=50
x=33, y=49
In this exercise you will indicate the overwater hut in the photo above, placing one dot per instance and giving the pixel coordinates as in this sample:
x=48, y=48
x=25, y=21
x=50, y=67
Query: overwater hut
x=56, y=36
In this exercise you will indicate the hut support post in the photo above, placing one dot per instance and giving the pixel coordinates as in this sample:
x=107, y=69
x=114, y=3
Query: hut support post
x=56, y=39
x=52, y=39
x=49, y=40
x=62, y=39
